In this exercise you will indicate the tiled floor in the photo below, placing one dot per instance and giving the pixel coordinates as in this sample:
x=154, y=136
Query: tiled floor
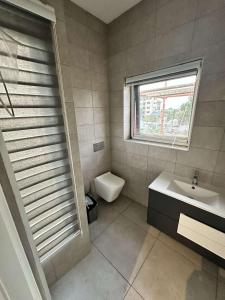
x=131, y=260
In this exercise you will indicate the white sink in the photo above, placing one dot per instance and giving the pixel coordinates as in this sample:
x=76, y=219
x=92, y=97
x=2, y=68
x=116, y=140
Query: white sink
x=194, y=192
x=207, y=197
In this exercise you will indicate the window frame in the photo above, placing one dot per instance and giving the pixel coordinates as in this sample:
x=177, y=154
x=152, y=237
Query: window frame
x=176, y=71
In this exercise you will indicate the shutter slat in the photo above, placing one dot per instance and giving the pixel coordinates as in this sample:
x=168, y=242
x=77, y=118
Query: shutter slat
x=46, y=191
x=42, y=185
x=58, y=237
x=25, y=154
x=54, y=227
x=7, y=65
x=26, y=144
x=50, y=215
x=33, y=180
x=36, y=208
x=60, y=244
x=29, y=53
x=31, y=101
x=23, y=123
x=40, y=169
x=21, y=165
x=30, y=112
x=27, y=40
x=30, y=133
x=22, y=89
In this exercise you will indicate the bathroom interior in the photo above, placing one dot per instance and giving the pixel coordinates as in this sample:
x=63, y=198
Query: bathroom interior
x=112, y=149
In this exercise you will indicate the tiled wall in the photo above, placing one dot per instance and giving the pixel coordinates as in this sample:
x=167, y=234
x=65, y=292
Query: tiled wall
x=88, y=52
x=156, y=34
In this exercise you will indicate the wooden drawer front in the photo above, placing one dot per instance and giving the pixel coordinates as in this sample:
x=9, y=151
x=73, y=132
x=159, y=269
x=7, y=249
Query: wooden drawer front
x=203, y=235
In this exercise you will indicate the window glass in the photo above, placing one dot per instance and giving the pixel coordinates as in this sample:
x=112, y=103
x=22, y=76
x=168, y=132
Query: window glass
x=163, y=108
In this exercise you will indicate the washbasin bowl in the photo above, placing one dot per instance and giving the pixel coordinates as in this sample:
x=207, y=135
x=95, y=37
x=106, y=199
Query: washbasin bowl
x=207, y=197
x=194, y=192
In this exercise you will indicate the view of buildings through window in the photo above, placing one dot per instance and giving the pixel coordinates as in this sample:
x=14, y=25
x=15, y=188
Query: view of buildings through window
x=165, y=107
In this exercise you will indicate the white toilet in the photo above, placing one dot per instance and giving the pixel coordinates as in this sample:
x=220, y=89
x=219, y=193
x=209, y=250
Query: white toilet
x=108, y=186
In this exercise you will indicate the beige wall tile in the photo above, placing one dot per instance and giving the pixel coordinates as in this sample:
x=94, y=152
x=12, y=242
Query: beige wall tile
x=198, y=158
x=100, y=115
x=86, y=148
x=207, y=137
x=208, y=6
x=98, y=62
x=81, y=78
x=223, y=144
x=77, y=33
x=212, y=87
x=161, y=153
x=143, y=29
x=218, y=180
x=187, y=171
x=79, y=57
x=85, y=133
x=99, y=81
x=100, y=99
x=82, y=97
x=136, y=148
x=116, y=129
x=101, y=130
x=214, y=23
x=175, y=42
x=210, y=113
x=141, y=54
x=220, y=164
x=84, y=116
x=116, y=99
x=137, y=161
x=116, y=115
x=119, y=156
x=173, y=14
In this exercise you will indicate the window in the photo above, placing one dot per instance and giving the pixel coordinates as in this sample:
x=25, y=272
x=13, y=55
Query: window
x=163, y=104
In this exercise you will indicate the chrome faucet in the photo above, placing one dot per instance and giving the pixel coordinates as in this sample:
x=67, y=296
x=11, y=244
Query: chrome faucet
x=195, y=178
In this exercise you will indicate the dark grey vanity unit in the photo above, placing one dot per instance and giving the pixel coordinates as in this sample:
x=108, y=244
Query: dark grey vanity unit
x=164, y=213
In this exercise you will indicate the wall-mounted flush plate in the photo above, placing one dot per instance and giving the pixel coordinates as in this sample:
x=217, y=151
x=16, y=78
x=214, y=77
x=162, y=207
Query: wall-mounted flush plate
x=98, y=146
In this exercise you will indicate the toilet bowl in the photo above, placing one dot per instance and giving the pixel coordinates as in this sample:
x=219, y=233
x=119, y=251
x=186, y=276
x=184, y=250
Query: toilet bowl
x=108, y=186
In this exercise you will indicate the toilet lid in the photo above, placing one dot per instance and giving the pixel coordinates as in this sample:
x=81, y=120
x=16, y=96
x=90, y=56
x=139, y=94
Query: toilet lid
x=110, y=179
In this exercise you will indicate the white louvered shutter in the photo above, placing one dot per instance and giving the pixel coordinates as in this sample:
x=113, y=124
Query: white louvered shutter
x=35, y=137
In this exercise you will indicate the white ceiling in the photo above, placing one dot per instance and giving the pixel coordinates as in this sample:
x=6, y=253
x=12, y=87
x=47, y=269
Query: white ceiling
x=106, y=10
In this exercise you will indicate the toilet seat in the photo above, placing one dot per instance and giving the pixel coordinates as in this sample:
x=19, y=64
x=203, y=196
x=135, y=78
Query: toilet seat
x=108, y=186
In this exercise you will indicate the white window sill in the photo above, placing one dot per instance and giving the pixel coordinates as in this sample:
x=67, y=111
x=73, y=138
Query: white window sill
x=168, y=146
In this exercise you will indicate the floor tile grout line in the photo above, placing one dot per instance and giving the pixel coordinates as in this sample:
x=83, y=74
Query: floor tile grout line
x=140, y=227
x=119, y=214
x=137, y=292
x=127, y=292
x=136, y=223
x=131, y=287
x=130, y=219
x=148, y=254
x=111, y=264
